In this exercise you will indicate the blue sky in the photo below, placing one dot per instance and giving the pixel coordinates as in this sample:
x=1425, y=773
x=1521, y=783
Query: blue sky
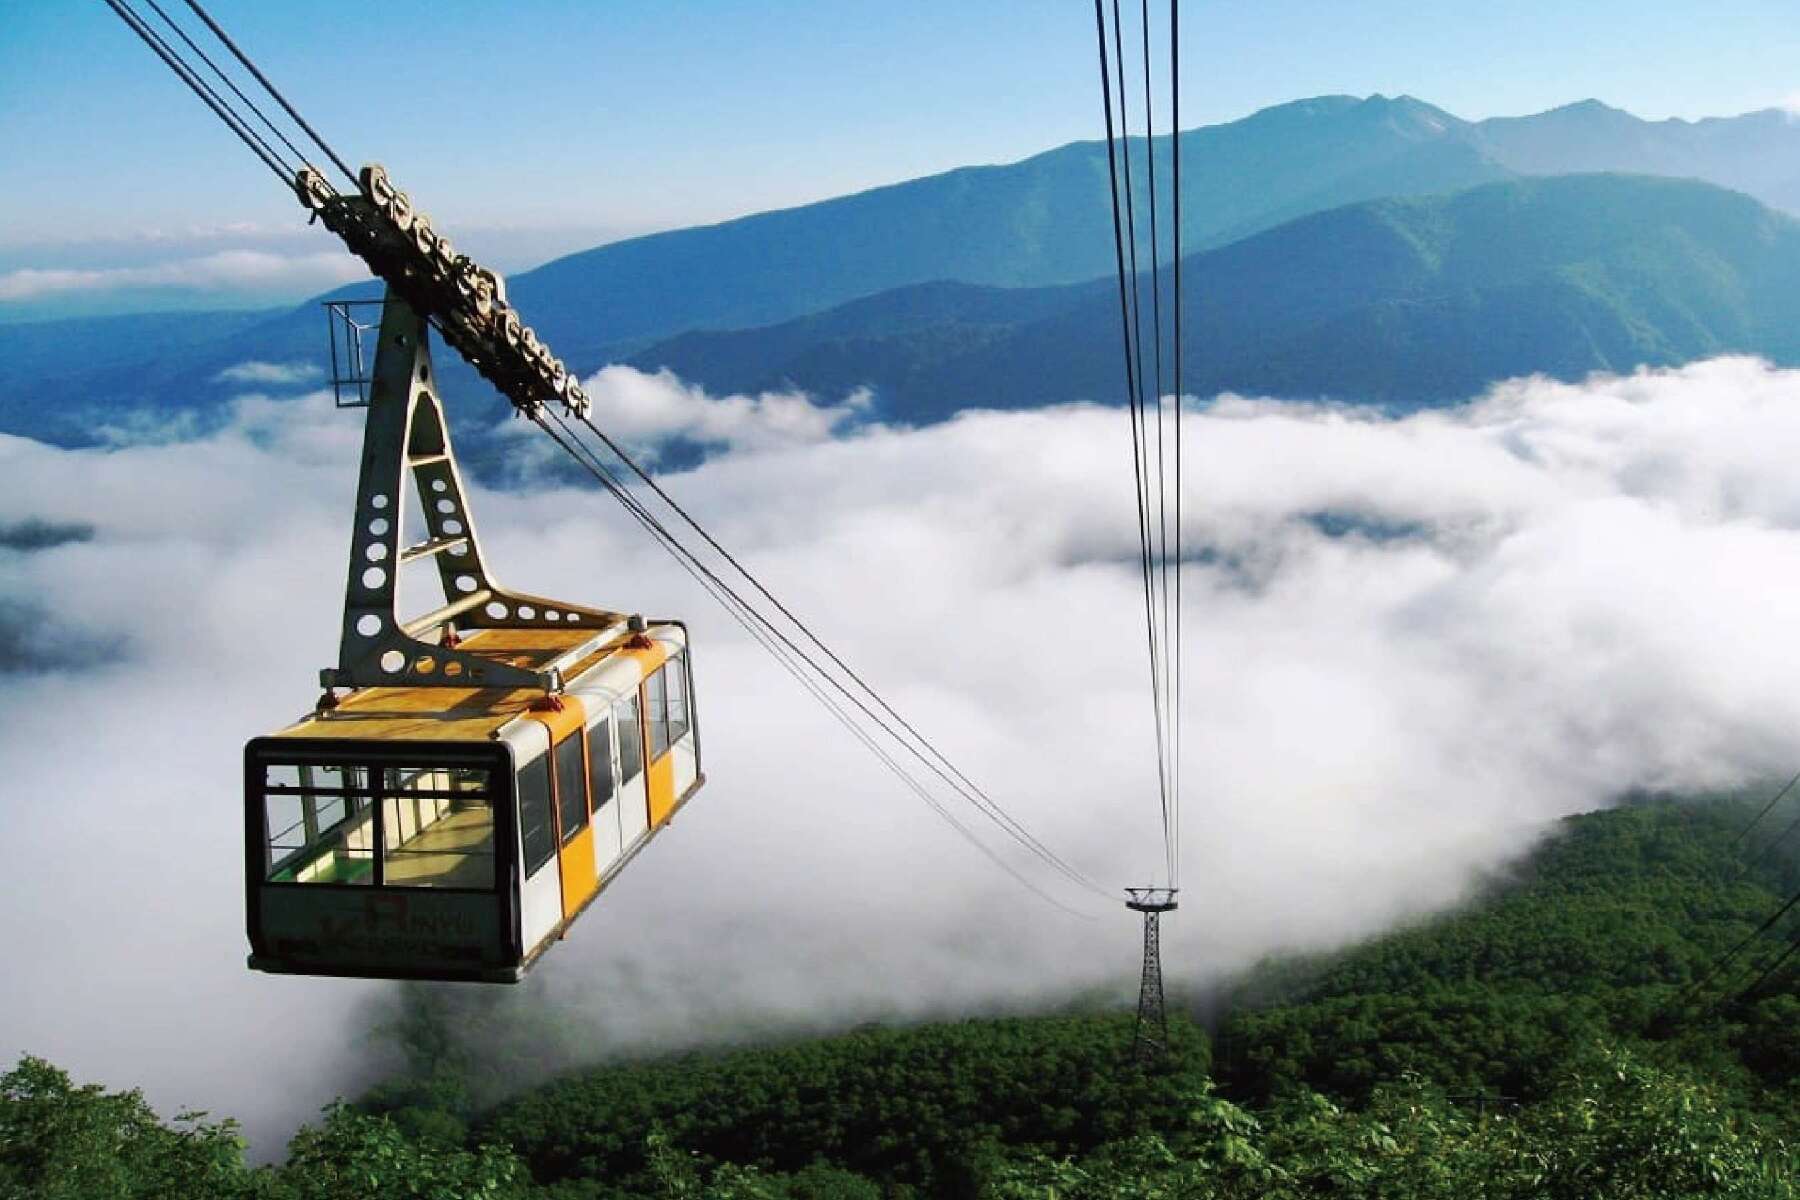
x=539, y=125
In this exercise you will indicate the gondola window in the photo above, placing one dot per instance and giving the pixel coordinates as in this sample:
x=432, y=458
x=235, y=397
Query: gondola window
x=571, y=787
x=536, y=831
x=599, y=743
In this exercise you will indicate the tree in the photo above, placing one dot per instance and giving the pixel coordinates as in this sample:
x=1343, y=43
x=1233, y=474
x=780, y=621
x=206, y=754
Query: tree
x=63, y=1142
x=353, y=1155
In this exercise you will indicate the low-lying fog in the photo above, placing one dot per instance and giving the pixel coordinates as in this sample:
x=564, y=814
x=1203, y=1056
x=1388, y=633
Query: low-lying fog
x=1410, y=643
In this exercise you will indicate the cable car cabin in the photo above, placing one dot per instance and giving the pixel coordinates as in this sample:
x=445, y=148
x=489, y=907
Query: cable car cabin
x=497, y=760
x=453, y=833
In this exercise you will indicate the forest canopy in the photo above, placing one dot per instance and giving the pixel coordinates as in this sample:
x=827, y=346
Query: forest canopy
x=1548, y=1041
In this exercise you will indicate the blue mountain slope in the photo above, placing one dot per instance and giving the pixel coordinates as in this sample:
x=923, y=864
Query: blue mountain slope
x=1757, y=153
x=1406, y=302
x=1044, y=221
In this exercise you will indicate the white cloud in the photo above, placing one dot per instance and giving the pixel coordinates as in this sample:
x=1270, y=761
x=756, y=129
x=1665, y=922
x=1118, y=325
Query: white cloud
x=268, y=373
x=1547, y=598
x=646, y=410
x=249, y=269
x=198, y=232
x=508, y=246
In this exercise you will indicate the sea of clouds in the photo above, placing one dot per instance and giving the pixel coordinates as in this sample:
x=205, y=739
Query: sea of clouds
x=1412, y=643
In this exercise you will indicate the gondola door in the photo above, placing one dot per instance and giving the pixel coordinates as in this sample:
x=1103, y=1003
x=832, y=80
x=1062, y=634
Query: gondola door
x=574, y=824
x=602, y=793
x=633, y=797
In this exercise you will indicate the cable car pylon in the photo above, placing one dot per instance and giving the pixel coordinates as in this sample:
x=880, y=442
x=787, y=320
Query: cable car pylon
x=1150, y=1037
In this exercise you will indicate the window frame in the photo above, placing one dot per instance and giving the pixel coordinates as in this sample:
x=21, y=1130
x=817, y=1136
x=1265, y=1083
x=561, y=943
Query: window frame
x=263, y=753
x=601, y=784
x=630, y=768
x=368, y=800
x=656, y=713
x=357, y=801
x=677, y=666
x=530, y=868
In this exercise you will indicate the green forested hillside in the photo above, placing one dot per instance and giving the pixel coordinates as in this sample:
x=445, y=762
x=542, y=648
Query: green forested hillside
x=1589, y=944
x=1537, y=1044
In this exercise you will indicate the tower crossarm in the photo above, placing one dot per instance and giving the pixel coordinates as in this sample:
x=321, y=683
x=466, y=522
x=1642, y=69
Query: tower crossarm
x=1152, y=899
x=465, y=301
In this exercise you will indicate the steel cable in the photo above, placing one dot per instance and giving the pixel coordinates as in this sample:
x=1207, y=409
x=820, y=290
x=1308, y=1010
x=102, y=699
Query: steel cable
x=1774, y=967
x=200, y=88
x=1166, y=568
x=271, y=89
x=299, y=155
x=1175, y=199
x=1724, y=960
x=790, y=657
x=1766, y=809
x=927, y=753
x=1156, y=395
x=1131, y=332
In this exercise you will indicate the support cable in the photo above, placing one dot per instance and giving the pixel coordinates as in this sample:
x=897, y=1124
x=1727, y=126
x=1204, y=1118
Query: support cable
x=1135, y=348
x=1175, y=196
x=299, y=155
x=790, y=657
x=1774, y=967
x=1691, y=992
x=270, y=88
x=199, y=87
x=1156, y=396
x=1724, y=960
x=1766, y=810
x=1132, y=392
x=1770, y=846
x=925, y=751
x=1164, y=567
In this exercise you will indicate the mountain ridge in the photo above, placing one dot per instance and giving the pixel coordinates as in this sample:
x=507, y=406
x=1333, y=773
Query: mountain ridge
x=1042, y=222
x=1404, y=301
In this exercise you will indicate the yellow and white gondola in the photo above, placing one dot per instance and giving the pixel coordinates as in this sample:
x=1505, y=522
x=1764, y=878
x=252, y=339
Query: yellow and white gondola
x=498, y=760
x=454, y=833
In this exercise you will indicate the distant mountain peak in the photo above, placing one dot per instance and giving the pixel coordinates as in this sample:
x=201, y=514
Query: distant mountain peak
x=1404, y=102
x=1311, y=107
x=1409, y=115
x=1591, y=109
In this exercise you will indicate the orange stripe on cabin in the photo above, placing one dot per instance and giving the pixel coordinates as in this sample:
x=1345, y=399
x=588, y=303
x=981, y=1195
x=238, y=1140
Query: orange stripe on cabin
x=571, y=717
x=662, y=788
x=649, y=653
x=580, y=873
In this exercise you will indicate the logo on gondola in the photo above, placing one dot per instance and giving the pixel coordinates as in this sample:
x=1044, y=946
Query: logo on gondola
x=389, y=924
x=375, y=908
